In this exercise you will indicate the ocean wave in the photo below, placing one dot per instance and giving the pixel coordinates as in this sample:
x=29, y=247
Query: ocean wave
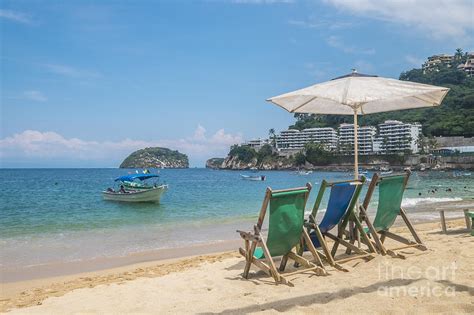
x=410, y=202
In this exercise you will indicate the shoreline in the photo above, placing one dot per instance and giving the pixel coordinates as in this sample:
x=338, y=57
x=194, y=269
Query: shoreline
x=34, y=292
x=419, y=214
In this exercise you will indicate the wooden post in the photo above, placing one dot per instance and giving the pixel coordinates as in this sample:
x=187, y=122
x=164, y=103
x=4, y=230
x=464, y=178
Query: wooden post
x=443, y=221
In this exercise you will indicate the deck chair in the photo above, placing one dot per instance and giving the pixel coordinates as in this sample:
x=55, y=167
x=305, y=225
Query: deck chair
x=340, y=210
x=391, y=189
x=285, y=231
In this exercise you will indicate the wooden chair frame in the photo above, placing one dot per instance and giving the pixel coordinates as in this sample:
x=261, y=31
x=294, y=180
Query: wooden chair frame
x=379, y=237
x=338, y=239
x=252, y=240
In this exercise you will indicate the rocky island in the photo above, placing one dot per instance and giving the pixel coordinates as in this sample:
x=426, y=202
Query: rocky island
x=214, y=163
x=156, y=157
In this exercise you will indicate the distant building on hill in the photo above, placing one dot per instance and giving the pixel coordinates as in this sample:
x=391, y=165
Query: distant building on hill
x=293, y=139
x=393, y=136
x=434, y=62
x=396, y=137
x=447, y=145
x=365, y=139
x=257, y=143
x=468, y=66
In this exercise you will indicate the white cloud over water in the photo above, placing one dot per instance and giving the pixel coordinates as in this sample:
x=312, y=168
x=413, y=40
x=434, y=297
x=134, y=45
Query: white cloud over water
x=439, y=19
x=38, y=145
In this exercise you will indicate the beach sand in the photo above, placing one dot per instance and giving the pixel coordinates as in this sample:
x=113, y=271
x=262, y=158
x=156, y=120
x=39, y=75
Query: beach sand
x=439, y=280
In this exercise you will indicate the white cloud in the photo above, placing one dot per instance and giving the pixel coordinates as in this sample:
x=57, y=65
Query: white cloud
x=436, y=18
x=34, y=95
x=15, y=16
x=414, y=61
x=364, y=66
x=337, y=42
x=200, y=133
x=321, y=24
x=317, y=70
x=46, y=145
x=69, y=71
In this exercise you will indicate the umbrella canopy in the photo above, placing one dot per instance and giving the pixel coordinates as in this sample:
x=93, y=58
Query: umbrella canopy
x=358, y=94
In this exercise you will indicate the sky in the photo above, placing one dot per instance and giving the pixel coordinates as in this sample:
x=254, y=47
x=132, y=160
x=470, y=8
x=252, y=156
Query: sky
x=85, y=83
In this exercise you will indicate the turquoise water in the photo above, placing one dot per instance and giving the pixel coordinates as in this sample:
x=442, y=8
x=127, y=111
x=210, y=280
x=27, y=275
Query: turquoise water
x=54, y=215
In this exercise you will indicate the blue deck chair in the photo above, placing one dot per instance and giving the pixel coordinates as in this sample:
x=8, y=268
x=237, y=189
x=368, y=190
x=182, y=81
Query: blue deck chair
x=340, y=210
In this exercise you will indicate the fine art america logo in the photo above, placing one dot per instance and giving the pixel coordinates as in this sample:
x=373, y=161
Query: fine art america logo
x=415, y=281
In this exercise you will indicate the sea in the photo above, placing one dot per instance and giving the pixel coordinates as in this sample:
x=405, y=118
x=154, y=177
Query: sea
x=55, y=216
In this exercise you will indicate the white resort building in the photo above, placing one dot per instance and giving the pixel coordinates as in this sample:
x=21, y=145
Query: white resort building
x=293, y=139
x=468, y=66
x=365, y=139
x=435, y=61
x=396, y=136
x=256, y=143
x=393, y=136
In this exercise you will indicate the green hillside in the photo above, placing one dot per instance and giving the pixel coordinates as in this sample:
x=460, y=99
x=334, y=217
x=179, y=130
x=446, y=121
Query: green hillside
x=156, y=158
x=455, y=116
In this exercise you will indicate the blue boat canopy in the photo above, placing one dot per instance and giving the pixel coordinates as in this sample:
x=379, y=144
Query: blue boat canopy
x=130, y=178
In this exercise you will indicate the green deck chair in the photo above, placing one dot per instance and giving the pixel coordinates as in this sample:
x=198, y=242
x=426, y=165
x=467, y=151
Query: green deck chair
x=339, y=211
x=285, y=232
x=391, y=189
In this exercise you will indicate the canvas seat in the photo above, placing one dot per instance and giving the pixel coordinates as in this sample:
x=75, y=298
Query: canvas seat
x=285, y=232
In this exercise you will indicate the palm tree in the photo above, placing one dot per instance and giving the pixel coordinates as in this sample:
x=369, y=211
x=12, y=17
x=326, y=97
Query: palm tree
x=458, y=55
x=432, y=144
x=272, y=136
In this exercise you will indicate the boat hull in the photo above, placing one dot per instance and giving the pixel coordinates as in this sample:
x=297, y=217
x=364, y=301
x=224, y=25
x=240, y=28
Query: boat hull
x=253, y=178
x=150, y=195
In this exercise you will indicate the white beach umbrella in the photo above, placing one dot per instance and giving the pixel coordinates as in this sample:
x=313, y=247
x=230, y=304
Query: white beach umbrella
x=359, y=94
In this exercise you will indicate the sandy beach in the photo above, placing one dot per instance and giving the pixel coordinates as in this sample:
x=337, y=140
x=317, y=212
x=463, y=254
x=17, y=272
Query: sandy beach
x=439, y=280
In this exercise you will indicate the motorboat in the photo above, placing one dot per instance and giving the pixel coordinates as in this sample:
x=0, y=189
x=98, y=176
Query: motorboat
x=254, y=178
x=134, y=188
x=148, y=195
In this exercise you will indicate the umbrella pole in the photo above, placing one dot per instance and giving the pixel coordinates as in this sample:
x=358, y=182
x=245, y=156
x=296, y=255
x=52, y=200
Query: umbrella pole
x=356, y=153
x=354, y=233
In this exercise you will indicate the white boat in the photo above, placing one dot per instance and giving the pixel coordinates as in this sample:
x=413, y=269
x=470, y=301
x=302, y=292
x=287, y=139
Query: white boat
x=459, y=174
x=304, y=173
x=386, y=173
x=254, y=178
x=149, y=195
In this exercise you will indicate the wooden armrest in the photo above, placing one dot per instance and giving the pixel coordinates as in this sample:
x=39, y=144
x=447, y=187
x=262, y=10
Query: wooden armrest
x=310, y=225
x=248, y=236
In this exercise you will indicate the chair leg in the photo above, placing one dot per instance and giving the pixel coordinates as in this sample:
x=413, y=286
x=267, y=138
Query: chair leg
x=410, y=226
x=382, y=237
x=324, y=245
x=284, y=260
x=362, y=233
x=270, y=261
x=312, y=249
x=372, y=232
x=248, y=259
